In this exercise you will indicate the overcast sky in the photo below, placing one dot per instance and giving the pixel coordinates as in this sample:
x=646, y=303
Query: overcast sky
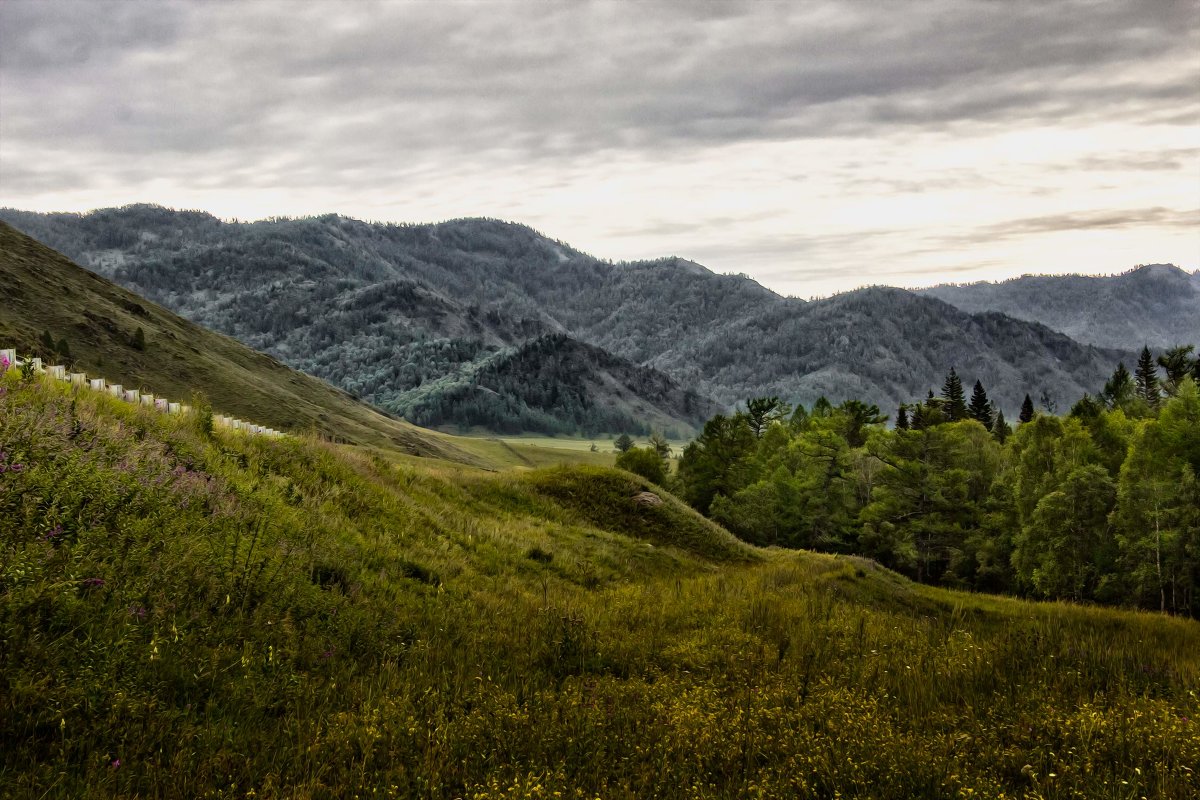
x=815, y=146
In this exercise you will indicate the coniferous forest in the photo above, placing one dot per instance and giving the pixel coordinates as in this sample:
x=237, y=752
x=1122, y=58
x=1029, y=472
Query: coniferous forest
x=1100, y=503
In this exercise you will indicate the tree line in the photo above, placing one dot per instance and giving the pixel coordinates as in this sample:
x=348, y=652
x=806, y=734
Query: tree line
x=1100, y=504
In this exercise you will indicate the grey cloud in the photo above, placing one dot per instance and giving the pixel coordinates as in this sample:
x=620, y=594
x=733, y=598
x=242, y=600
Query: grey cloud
x=1088, y=220
x=562, y=81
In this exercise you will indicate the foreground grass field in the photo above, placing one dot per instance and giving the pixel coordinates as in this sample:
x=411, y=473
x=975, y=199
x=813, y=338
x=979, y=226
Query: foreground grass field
x=192, y=614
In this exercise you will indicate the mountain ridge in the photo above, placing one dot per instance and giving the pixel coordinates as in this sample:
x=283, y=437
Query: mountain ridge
x=1157, y=305
x=285, y=283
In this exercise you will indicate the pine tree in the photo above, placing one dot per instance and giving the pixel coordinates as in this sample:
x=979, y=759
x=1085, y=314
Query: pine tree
x=902, y=418
x=955, y=405
x=623, y=443
x=1119, y=389
x=1000, y=429
x=1146, y=377
x=139, y=339
x=1176, y=363
x=980, y=409
x=1026, y=410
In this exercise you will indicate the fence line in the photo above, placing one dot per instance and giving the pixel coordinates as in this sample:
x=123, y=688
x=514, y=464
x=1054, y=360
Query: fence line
x=10, y=360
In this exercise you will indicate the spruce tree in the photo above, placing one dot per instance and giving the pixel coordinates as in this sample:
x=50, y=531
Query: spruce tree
x=1000, y=428
x=902, y=418
x=980, y=409
x=1119, y=389
x=1026, y=410
x=955, y=406
x=1146, y=377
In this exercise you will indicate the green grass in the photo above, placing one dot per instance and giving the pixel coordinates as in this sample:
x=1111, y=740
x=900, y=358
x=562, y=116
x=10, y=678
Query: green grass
x=235, y=617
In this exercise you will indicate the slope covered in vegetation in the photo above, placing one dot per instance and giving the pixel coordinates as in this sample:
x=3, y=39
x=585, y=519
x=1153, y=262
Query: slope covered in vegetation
x=194, y=613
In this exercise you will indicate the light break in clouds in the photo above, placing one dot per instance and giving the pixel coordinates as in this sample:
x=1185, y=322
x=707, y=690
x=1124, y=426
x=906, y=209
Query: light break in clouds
x=817, y=146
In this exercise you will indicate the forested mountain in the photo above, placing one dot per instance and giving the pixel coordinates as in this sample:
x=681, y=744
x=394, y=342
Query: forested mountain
x=1156, y=305
x=397, y=313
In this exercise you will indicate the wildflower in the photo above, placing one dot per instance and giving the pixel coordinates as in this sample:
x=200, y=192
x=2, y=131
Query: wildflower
x=137, y=611
x=53, y=533
x=116, y=762
x=93, y=583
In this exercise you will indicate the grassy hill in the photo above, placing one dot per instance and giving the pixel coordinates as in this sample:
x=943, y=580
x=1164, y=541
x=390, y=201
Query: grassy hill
x=186, y=613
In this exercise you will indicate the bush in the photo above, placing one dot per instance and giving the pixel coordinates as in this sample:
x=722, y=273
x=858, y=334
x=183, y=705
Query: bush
x=644, y=461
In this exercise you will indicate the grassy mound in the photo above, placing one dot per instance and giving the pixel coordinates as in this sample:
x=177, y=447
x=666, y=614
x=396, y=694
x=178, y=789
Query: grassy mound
x=184, y=613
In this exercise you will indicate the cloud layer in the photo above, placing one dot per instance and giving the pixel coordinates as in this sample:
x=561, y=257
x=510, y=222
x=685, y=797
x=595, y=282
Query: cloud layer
x=817, y=146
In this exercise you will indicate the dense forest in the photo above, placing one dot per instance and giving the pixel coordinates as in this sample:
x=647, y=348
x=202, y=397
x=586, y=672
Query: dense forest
x=1099, y=504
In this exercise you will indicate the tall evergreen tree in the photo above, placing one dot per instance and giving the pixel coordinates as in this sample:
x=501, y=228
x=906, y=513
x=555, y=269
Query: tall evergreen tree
x=980, y=409
x=1119, y=389
x=955, y=399
x=902, y=418
x=1000, y=429
x=1146, y=377
x=1176, y=363
x=1026, y=410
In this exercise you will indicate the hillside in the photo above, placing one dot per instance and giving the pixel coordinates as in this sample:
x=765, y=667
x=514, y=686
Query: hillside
x=1156, y=305
x=381, y=310
x=212, y=615
x=43, y=291
x=554, y=384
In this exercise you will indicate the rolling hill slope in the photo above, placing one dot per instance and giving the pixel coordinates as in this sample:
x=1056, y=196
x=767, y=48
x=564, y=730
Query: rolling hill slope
x=211, y=615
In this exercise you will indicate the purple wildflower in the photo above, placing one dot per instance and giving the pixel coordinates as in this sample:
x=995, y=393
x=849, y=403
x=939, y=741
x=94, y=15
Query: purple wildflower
x=93, y=583
x=116, y=762
x=137, y=611
x=53, y=533
x=327, y=654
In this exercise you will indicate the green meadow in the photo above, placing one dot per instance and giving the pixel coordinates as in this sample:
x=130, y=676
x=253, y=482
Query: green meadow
x=195, y=613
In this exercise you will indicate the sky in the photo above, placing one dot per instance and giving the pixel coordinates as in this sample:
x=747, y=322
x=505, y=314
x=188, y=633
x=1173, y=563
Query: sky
x=815, y=146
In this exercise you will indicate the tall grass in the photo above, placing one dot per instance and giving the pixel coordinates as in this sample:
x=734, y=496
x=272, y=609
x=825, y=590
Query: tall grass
x=185, y=613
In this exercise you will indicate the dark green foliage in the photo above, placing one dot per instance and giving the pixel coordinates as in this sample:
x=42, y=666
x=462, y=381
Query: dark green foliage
x=138, y=342
x=712, y=463
x=902, y=417
x=980, y=409
x=1146, y=378
x=1054, y=510
x=1177, y=364
x=764, y=411
x=1120, y=390
x=954, y=402
x=1026, y=410
x=1001, y=430
x=623, y=443
x=644, y=461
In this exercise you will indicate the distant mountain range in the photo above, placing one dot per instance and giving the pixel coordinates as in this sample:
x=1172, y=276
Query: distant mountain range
x=484, y=323
x=1156, y=305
